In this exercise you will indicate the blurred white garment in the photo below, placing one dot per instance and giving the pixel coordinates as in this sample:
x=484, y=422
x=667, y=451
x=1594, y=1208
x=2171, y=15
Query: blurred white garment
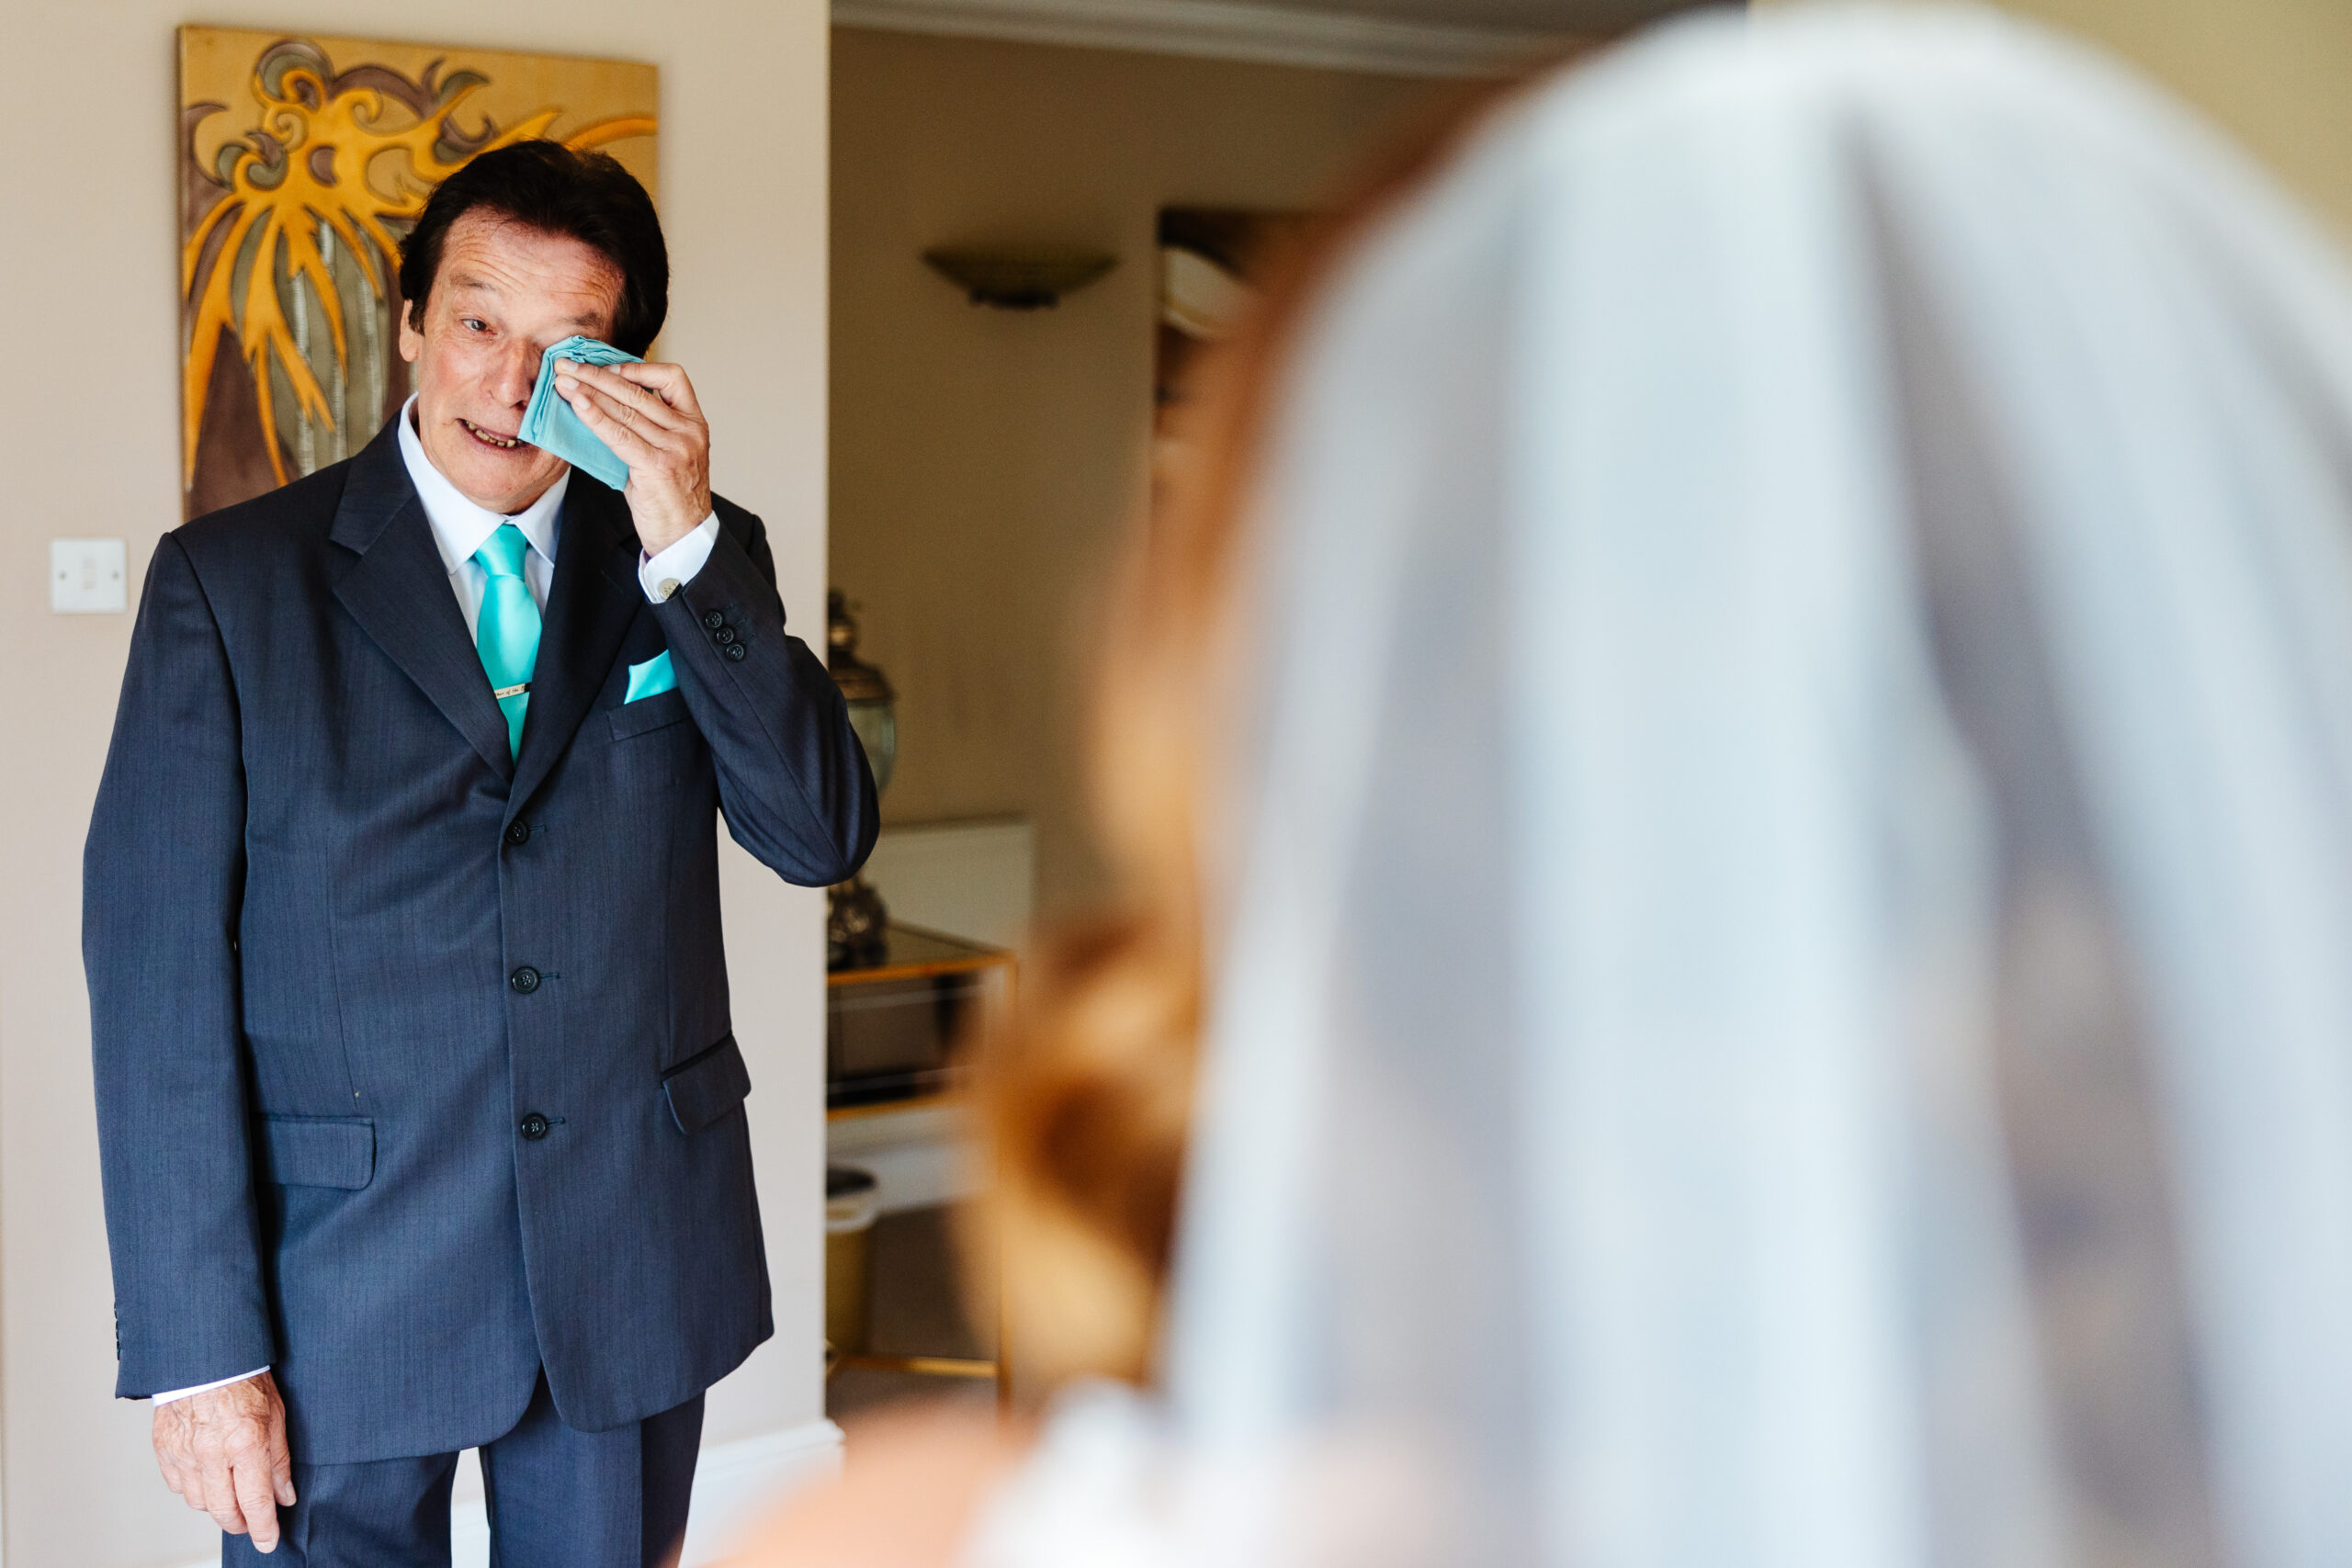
x=1788, y=999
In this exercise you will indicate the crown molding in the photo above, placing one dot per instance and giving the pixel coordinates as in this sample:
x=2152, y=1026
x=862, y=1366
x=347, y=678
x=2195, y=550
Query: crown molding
x=1218, y=30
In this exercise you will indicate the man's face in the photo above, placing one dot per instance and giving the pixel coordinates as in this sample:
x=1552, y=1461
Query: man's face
x=503, y=294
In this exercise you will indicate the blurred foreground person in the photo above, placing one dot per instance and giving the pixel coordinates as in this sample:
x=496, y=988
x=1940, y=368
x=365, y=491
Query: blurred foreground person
x=1746, y=758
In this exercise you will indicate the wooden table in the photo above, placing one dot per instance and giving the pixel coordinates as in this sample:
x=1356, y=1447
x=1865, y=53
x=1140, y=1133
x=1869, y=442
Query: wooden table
x=894, y=1033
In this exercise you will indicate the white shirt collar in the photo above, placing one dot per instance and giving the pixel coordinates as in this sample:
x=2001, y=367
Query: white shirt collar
x=459, y=527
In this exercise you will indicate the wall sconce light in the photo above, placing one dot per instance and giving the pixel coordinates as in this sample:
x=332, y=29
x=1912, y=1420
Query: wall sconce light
x=1019, y=280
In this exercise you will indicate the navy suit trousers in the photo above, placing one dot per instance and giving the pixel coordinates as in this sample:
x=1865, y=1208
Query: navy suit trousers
x=557, y=1498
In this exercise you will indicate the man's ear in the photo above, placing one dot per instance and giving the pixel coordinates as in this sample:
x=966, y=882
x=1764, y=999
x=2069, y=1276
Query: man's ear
x=411, y=333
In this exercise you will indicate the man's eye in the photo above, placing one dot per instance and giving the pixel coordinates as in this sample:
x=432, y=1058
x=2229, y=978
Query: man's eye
x=472, y=323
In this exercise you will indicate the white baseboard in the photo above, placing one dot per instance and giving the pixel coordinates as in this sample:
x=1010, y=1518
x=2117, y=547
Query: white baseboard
x=735, y=1482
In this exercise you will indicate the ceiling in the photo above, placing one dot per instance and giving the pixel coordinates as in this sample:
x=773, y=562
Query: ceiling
x=1532, y=15
x=1428, y=37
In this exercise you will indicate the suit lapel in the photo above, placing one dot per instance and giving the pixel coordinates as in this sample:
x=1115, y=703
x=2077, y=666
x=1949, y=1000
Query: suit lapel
x=399, y=592
x=591, y=603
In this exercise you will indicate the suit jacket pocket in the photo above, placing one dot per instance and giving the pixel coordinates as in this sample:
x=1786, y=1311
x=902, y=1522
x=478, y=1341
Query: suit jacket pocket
x=321, y=1151
x=649, y=713
x=707, y=1086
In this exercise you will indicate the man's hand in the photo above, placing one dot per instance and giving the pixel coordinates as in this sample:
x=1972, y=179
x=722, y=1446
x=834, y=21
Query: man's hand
x=224, y=1450
x=648, y=415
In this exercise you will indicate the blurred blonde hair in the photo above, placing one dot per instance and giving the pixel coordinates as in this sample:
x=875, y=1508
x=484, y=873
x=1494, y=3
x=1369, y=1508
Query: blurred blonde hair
x=1085, y=1098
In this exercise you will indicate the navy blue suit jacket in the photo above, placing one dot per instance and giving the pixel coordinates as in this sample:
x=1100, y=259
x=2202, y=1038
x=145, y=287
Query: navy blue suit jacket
x=415, y=1070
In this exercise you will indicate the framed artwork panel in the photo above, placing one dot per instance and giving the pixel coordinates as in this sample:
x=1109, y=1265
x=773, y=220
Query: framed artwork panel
x=304, y=160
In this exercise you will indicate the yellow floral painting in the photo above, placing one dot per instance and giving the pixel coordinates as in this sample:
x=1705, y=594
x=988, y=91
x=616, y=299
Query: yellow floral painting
x=303, y=162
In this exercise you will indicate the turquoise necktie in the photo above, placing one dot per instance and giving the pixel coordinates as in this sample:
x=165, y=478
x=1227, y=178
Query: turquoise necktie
x=508, y=631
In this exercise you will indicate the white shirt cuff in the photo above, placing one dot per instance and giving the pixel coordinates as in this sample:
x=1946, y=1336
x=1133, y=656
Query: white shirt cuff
x=664, y=574
x=208, y=1387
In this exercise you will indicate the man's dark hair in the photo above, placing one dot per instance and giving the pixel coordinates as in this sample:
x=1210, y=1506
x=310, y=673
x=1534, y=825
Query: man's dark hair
x=545, y=185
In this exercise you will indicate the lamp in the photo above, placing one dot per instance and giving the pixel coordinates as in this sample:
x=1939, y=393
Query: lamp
x=1019, y=279
x=856, y=921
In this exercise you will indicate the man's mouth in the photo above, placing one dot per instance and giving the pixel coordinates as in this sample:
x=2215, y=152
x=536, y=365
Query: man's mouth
x=503, y=443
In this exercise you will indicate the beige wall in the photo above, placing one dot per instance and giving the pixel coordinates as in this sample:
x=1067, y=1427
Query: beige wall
x=88, y=420
x=2276, y=73
x=982, y=460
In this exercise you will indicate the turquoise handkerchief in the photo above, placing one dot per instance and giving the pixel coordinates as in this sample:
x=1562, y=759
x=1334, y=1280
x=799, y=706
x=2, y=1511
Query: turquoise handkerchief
x=550, y=424
x=651, y=678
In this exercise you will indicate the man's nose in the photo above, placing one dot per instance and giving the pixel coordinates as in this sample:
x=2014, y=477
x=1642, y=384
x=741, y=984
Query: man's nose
x=517, y=373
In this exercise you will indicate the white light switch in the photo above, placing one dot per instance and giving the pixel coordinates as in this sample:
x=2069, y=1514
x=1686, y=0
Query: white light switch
x=86, y=577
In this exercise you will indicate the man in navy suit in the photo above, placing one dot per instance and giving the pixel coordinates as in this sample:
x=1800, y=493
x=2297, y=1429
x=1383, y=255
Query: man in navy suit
x=421, y=1119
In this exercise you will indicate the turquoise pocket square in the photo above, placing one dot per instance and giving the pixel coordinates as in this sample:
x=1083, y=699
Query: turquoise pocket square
x=550, y=424
x=650, y=679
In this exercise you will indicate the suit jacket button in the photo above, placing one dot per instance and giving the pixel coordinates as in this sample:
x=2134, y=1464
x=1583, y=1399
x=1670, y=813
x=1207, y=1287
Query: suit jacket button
x=714, y=619
x=535, y=1126
x=735, y=651
x=526, y=979
x=723, y=635
x=519, y=834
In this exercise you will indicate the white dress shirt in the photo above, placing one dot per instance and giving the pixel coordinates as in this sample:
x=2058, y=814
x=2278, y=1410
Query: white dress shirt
x=459, y=528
